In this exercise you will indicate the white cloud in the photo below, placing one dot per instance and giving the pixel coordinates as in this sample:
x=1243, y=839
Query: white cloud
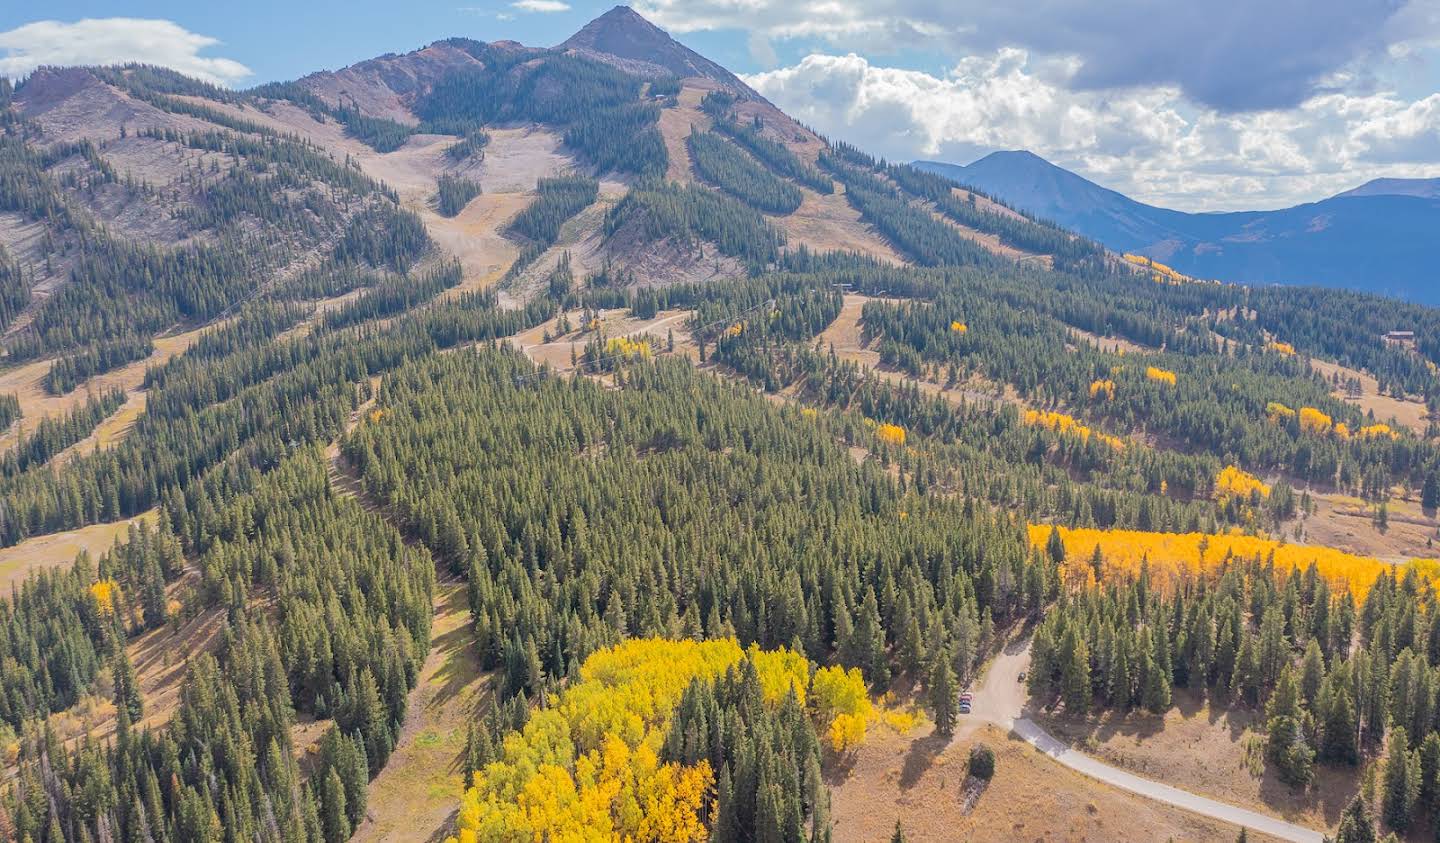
x=541, y=6
x=1232, y=55
x=114, y=41
x=1149, y=142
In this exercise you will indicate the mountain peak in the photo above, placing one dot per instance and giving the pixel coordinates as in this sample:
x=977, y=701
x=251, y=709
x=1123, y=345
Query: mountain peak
x=624, y=38
x=1423, y=188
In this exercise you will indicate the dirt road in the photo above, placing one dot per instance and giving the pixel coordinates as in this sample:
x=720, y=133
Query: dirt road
x=1001, y=699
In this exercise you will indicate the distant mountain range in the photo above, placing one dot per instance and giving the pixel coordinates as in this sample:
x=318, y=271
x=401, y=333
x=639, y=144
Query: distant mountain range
x=1380, y=237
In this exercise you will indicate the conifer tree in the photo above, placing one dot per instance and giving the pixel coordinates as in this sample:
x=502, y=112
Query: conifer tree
x=944, y=698
x=1402, y=781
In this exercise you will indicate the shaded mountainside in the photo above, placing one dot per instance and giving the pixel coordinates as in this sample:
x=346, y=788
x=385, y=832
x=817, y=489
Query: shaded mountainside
x=1375, y=238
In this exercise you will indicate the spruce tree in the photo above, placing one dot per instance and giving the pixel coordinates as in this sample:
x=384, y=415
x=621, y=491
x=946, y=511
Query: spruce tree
x=1401, y=783
x=944, y=693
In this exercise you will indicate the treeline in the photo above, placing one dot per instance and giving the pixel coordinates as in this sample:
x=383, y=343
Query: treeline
x=597, y=105
x=924, y=239
x=56, y=433
x=453, y=193
x=1336, y=679
x=351, y=629
x=557, y=200
x=9, y=410
x=690, y=213
x=395, y=295
x=69, y=372
x=724, y=165
x=774, y=154
x=1014, y=230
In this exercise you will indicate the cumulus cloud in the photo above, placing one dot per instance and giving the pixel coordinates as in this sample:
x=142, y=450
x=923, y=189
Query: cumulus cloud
x=114, y=41
x=1150, y=142
x=541, y=6
x=1228, y=55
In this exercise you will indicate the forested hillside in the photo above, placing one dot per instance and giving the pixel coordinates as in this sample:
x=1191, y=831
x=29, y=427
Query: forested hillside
x=736, y=446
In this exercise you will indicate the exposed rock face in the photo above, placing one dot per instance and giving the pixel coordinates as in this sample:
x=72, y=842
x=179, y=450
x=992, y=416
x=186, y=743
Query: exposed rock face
x=625, y=39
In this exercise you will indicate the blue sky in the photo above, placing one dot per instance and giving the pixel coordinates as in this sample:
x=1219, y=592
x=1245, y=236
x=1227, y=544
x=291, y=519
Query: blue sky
x=1196, y=106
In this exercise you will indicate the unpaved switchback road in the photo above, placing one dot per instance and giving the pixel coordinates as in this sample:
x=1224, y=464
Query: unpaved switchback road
x=1000, y=699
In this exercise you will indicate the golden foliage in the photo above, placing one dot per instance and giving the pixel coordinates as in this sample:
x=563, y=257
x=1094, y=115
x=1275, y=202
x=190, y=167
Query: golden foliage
x=1284, y=348
x=1278, y=412
x=587, y=767
x=106, y=594
x=840, y=698
x=1235, y=483
x=959, y=327
x=627, y=348
x=1161, y=376
x=1067, y=426
x=891, y=434
x=1105, y=387
x=1375, y=431
x=1315, y=421
x=1159, y=272
x=735, y=330
x=1174, y=556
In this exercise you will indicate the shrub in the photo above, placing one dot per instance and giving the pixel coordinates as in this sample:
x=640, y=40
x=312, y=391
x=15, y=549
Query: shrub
x=982, y=761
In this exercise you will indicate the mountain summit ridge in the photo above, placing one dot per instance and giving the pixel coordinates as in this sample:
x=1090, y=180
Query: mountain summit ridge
x=1372, y=238
x=624, y=38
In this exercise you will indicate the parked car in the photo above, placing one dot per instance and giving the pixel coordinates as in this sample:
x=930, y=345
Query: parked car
x=965, y=707
x=1022, y=676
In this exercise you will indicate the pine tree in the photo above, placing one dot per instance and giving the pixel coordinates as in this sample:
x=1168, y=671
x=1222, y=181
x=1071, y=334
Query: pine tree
x=944, y=699
x=1341, y=728
x=332, y=809
x=1157, y=680
x=1075, y=674
x=1402, y=781
x=1355, y=823
x=899, y=835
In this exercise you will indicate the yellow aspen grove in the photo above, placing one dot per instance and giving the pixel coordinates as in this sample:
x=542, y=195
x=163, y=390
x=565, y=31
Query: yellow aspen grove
x=1315, y=421
x=890, y=434
x=1284, y=348
x=841, y=699
x=1173, y=557
x=1161, y=272
x=1235, y=483
x=587, y=767
x=1104, y=387
x=1342, y=430
x=959, y=327
x=105, y=593
x=735, y=330
x=1375, y=431
x=1066, y=425
x=1161, y=376
x=1278, y=412
x=626, y=347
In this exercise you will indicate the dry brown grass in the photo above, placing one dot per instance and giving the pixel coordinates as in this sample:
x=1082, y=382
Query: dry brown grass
x=415, y=797
x=1410, y=413
x=844, y=334
x=25, y=381
x=55, y=550
x=917, y=780
x=675, y=126
x=1347, y=523
x=1200, y=748
x=828, y=223
x=161, y=658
